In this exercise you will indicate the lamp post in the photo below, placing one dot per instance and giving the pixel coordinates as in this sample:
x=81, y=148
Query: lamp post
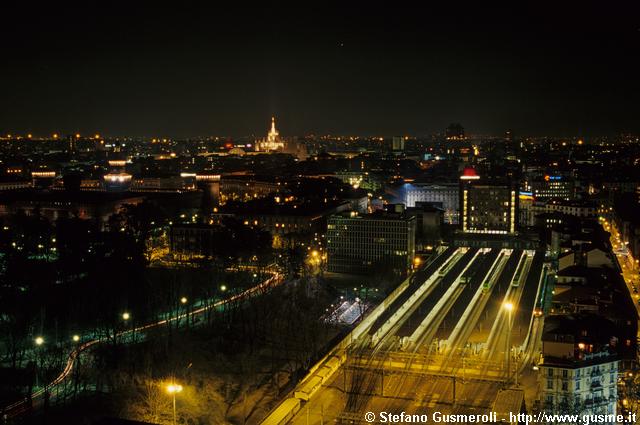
x=39, y=341
x=183, y=301
x=173, y=389
x=509, y=307
x=126, y=316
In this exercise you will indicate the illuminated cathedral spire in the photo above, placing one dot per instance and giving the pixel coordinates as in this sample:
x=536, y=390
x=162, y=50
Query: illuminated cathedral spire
x=273, y=135
x=272, y=142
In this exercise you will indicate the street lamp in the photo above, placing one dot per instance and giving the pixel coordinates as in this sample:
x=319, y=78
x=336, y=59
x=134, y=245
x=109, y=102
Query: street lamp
x=223, y=288
x=173, y=389
x=76, y=338
x=126, y=316
x=38, y=341
x=509, y=307
x=183, y=300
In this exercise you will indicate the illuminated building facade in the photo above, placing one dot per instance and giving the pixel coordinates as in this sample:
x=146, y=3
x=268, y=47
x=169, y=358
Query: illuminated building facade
x=42, y=179
x=550, y=187
x=272, y=142
x=359, y=243
x=579, y=370
x=361, y=180
x=583, y=209
x=117, y=180
x=486, y=207
x=445, y=196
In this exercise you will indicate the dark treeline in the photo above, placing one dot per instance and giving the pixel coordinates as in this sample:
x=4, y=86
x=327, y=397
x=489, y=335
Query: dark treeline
x=234, y=364
x=78, y=277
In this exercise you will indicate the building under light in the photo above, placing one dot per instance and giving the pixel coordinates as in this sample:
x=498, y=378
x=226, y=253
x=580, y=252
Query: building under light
x=42, y=179
x=550, y=186
x=117, y=180
x=444, y=196
x=579, y=368
x=359, y=244
x=272, y=142
x=485, y=206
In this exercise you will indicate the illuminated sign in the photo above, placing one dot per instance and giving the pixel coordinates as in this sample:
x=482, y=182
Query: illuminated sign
x=526, y=195
x=552, y=178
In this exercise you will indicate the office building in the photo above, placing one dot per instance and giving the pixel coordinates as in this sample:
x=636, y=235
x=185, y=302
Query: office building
x=550, y=186
x=487, y=207
x=444, y=196
x=361, y=244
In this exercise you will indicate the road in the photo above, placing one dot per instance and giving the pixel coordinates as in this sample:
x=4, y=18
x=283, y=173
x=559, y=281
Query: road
x=445, y=345
x=630, y=266
x=37, y=398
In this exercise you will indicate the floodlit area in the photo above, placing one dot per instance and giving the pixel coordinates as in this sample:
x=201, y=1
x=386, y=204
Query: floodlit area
x=448, y=339
x=347, y=312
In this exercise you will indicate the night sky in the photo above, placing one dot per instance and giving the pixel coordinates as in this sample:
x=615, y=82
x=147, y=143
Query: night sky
x=377, y=69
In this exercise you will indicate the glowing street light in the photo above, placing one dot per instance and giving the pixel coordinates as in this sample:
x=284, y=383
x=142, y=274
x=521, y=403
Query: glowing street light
x=76, y=338
x=38, y=341
x=126, y=316
x=183, y=300
x=223, y=288
x=509, y=307
x=173, y=389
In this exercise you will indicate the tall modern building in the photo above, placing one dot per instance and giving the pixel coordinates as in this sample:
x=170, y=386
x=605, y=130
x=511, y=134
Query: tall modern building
x=360, y=244
x=488, y=206
x=444, y=196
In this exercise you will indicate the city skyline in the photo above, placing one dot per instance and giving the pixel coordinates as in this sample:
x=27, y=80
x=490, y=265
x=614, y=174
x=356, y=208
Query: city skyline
x=319, y=213
x=198, y=70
